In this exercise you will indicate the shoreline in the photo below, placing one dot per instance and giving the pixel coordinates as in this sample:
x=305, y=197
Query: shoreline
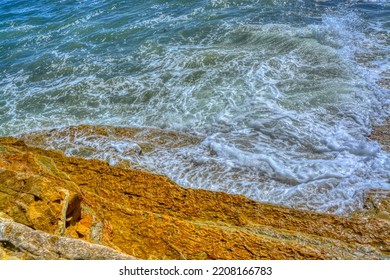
x=147, y=216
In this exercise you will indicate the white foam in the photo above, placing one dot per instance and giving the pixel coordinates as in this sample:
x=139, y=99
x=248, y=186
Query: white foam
x=285, y=110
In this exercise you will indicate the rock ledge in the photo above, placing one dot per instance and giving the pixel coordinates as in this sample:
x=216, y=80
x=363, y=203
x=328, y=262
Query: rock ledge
x=50, y=202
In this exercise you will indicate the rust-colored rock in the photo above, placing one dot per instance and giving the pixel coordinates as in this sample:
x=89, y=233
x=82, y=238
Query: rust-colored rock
x=150, y=217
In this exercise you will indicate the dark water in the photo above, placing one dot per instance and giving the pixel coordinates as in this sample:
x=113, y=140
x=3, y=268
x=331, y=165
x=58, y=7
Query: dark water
x=283, y=92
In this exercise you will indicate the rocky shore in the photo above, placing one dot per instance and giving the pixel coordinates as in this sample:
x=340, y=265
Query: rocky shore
x=57, y=207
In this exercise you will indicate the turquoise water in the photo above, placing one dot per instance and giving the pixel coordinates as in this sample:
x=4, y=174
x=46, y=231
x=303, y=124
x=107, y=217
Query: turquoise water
x=284, y=93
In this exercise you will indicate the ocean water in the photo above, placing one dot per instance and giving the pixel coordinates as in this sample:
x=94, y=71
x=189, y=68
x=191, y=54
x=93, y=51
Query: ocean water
x=283, y=93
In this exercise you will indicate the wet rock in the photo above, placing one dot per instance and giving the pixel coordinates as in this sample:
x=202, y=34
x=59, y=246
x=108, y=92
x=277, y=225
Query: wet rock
x=381, y=133
x=377, y=203
x=98, y=141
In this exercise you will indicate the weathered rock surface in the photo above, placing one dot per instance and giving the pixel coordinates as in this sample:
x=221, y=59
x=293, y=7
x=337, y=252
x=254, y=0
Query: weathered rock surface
x=21, y=242
x=149, y=217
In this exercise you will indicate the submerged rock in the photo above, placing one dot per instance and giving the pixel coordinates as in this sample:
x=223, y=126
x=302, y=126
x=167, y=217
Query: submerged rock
x=150, y=217
x=381, y=133
x=115, y=145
